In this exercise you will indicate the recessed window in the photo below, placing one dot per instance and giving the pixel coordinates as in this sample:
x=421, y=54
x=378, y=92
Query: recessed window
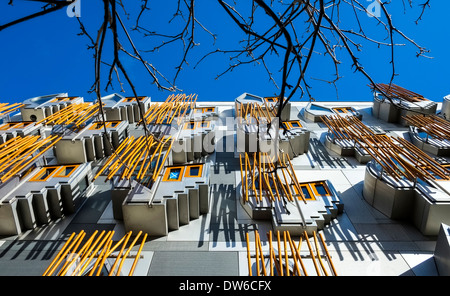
x=292, y=124
x=54, y=171
x=271, y=100
x=114, y=123
x=108, y=124
x=44, y=174
x=203, y=110
x=203, y=124
x=65, y=171
x=320, y=189
x=345, y=110
x=307, y=194
x=173, y=174
x=189, y=125
x=193, y=171
x=96, y=126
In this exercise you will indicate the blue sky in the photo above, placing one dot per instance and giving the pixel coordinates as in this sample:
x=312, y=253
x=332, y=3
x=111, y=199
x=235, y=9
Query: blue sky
x=46, y=55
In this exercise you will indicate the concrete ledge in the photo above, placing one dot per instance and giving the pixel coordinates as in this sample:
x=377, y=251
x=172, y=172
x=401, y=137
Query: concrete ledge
x=442, y=251
x=396, y=201
x=432, y=148
x=431, y=209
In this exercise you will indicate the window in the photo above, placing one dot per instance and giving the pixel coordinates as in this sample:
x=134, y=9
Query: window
x=54, y=171
x=189, y=125
x=132, y=99
x=203, y=124
x=99, y=125
x=96, y=126
x=194, y=171
x=313, y=190
x=271, y=99
x=306, y=190
x=65, y=171
x=292, y=124
x=206, y=109
x=344, y=110
x=320, y=189
x=27, y=172
x=173, y=174
x=113, y=123
x=196, y=124
x=44, y=174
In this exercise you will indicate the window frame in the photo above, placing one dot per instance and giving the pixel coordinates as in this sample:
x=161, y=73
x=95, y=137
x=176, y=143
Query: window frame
x=343, y=110
x=108, y=124
x=167, y=174
x=288, y=124
x=325, y=186
x=58, y=173
x=271, y=99
x=188, y=170
x=311, y=194
x=205, y=109
x=40, y=173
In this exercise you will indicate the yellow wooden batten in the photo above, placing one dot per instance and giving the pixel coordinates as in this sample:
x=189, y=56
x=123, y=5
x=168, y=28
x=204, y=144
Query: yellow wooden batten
x=15, y=155
x=283, y=252
x=76, y=256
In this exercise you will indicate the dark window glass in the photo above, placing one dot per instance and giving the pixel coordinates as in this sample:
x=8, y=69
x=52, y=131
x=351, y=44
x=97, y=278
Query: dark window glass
x=174, y=174
x=194, y=170
x=306, y=192
x=46, y=173
x=320, y=188
x=66, y=171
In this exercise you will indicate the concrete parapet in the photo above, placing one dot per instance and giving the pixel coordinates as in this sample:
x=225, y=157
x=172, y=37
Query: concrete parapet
x=91, y=143
x=442, y=250
x=180, y=194
x=46, y=194
x=392, y=198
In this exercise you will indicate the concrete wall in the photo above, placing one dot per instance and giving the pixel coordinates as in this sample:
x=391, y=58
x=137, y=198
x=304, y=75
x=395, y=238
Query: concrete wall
x=394, y=200
x=442, y=250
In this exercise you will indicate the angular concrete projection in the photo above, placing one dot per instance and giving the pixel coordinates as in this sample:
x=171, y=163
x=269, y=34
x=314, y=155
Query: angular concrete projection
x=276, y=195
x=13, y=129
x=394, y=198
x=180, y=194
x=399, y=103
x=313, y=112
x=424, y=203
x=347, y=136
x=266, y=104
x=44, y=195
x=430, y=134
x=38, y=108
x=431, y=206
x=442, y=250
x=91, y=143
x=120, y=108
